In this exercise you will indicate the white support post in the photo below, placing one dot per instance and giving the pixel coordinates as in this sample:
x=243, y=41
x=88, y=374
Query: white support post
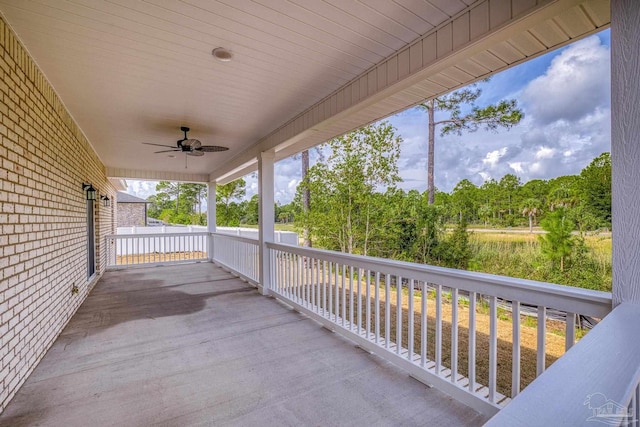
x=266, y=219
x=625, y=150
x=211, y=215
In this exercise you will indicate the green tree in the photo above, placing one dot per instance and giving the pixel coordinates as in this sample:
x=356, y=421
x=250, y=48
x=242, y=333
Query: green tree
x=227, y=212
x=504, y=114
x=464, y=200
x=595, y=186
x=178, y=203
x=558, y=242
x=251, y=211
x=509, y=184
x=342, y=188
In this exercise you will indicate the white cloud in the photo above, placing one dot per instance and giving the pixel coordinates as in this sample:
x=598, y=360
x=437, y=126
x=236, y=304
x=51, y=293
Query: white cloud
x=576, y=82
x=142, y=189
x=493, y=157
x=516, y=166
x=545, y=153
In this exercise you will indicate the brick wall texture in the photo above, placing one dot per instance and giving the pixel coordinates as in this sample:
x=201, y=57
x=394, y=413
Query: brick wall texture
x=44, y=158
x=130, y=214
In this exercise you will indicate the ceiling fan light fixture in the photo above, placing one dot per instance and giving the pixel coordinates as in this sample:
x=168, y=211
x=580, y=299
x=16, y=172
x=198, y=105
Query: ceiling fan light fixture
x=222, y=54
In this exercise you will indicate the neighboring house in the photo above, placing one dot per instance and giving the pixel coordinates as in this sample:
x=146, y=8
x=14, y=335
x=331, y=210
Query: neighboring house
x=131, y=210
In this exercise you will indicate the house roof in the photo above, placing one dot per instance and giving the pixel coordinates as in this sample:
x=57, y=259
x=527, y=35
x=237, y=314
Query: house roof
x=128, y=198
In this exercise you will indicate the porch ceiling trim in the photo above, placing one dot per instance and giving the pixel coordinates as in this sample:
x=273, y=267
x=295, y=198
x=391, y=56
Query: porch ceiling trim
x=487, y=37
x=155, y=175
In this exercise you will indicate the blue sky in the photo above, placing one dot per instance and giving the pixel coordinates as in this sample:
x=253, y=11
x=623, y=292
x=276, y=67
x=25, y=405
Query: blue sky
x=565, y=96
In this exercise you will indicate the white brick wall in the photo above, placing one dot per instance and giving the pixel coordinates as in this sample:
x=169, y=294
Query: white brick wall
x=44, y=158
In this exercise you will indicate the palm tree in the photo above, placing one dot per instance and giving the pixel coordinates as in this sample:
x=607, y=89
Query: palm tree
x=531, y=207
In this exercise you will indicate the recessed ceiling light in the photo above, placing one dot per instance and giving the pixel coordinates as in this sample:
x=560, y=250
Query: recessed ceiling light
x=222, y=54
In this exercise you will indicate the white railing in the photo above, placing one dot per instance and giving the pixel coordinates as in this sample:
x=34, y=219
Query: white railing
x=288, y=237
x=239, y=254
x=149, y=249
x=444, y=326
x=595, y=383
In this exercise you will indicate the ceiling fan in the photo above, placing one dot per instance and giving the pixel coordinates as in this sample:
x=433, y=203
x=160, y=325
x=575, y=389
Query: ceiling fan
x=191, y=147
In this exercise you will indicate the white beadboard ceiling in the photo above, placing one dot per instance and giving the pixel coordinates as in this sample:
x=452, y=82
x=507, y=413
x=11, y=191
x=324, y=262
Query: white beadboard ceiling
x=133, y=71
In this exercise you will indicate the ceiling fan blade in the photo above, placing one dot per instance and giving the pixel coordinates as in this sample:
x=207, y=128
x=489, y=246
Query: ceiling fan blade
x=166, y=151
x=159, y=145
x=195, y=153
x=212, y=148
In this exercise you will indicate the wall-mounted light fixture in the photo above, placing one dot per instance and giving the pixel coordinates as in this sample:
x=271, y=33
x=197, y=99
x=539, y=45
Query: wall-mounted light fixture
x=92, y=194
x=106, y=202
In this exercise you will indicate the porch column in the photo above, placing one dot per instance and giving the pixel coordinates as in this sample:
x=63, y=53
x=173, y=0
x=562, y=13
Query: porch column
x=211, y=215
x=625, y=150
x=266, y=215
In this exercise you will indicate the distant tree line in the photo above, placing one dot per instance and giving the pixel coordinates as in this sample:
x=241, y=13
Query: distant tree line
x=356, y=207
x=182, y=203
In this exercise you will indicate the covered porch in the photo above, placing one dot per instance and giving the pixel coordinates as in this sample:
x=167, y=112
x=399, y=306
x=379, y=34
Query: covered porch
x=190, y=344
x=85, y=84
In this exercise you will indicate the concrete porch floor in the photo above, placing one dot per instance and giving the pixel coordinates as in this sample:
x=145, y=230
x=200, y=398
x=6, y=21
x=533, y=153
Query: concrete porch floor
x=192, y=345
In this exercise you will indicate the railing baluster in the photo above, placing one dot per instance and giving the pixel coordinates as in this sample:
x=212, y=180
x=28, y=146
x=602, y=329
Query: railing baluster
x=351, y=298
x=423, y=325
x=542, y=335
x=324, y=287
x=377, y=306
x=515, y=339
x=410, y=333
x=398, y=314
x=493, y=347
x=454, y=335
x=336, y=308
x=570, y=331
x=368, y=302
x=438, y=360
x=472, y=341
x=359, y=304
x=387, y=310
x=330, y=285
x=344, y=294
x=315, y=289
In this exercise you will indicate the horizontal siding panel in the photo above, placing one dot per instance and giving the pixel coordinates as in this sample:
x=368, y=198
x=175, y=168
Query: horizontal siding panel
x=459, y=75
x=444, y=80
x=506, y=52
x=599, y=11
x=473, y=68
x=489, y=61
x=549, y=33
x=527, y=44
x=574, y=22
